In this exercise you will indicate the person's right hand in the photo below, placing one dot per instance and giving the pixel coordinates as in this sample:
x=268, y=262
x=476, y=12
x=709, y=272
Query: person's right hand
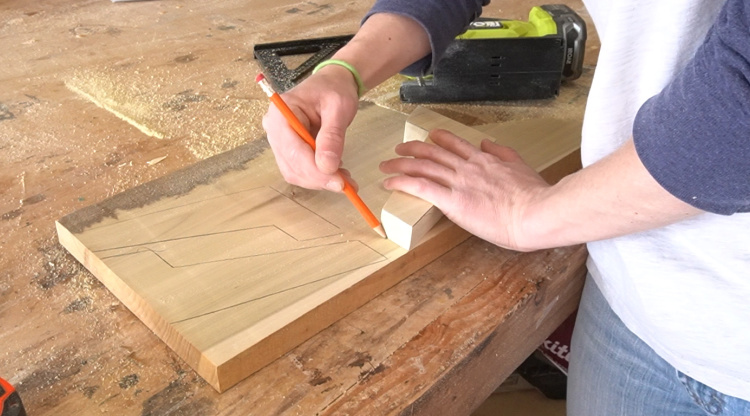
x=326, y=103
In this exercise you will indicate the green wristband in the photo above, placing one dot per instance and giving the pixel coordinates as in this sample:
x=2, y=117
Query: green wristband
x=360, y=85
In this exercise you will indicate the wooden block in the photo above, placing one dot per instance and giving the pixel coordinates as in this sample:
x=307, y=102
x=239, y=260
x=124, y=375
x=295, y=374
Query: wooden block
x=406, y=218
x=550, y=146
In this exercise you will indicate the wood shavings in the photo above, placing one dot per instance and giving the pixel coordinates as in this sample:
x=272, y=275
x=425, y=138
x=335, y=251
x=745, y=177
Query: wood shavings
x=198, y=113
x=152, y=162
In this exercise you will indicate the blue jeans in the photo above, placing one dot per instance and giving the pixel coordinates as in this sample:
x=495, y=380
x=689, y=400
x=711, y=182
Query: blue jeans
x=613, y=373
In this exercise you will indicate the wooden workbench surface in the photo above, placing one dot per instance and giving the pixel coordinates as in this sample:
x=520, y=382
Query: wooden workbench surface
x=176, y=79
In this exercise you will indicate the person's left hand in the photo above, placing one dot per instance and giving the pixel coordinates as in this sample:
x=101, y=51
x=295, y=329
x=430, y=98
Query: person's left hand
x=484, y=190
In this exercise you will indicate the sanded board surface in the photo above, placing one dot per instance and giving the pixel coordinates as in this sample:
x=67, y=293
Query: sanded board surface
x=232, y=267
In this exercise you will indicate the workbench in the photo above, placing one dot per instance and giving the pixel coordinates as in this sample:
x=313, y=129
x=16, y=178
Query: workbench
x=439, y=342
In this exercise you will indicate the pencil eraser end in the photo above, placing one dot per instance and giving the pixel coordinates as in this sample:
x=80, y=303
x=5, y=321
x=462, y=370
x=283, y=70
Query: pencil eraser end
x=260, y=77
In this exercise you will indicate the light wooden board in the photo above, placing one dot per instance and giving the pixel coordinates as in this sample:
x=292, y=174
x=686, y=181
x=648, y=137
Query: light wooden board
x=232, y=267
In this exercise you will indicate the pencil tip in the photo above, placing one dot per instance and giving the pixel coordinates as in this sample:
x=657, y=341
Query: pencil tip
x=380, y=230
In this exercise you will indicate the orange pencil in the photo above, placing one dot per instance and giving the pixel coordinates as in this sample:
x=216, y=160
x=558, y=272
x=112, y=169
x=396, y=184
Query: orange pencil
x=298, y=127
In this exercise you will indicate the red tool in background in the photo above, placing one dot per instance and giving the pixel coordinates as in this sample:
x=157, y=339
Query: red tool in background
x=10, y=401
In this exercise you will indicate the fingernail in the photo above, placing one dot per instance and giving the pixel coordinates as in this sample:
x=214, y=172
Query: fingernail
x=334, y=186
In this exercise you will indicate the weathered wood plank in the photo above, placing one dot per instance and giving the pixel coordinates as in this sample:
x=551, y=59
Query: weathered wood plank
x=456, y=354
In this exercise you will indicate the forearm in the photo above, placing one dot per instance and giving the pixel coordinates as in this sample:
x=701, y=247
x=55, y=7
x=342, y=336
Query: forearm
x=691, y=137
x=384, y=45
x=397, y=34
x=613, y=197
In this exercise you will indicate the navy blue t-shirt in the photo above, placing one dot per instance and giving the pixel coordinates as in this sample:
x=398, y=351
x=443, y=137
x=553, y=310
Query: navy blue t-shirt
x=694, y=136
x=442, y=19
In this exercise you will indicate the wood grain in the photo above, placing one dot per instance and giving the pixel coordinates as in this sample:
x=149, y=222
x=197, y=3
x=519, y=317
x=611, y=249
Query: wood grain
x=453, y=352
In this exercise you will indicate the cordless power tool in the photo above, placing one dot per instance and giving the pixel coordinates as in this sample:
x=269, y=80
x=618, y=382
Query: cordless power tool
x=498, y=59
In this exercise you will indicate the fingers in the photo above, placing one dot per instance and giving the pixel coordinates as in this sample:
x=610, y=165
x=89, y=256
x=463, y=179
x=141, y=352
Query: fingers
x=330, y=139
x=450, y=151
x=426, y=189
x=435, y=162
x=295, y=158
x=326, y=109
x=465, y=150
x=428, y=170
x=347, y=176
x=336, y=114
x=454, y=144
x=504, y=153
x=417, y=167
x=435, y=171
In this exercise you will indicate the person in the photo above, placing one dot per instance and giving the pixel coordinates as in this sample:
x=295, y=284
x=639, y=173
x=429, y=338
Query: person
x=662, y=201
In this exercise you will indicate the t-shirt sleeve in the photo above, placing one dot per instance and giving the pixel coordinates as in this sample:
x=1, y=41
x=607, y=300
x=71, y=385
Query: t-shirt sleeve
x=694, y=136
x=442, y=19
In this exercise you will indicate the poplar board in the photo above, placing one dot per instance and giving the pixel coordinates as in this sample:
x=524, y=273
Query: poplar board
x=232, y=267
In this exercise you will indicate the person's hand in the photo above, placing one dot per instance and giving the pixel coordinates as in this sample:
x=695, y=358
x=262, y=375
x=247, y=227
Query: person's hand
x=484, y=190
x=326, y=103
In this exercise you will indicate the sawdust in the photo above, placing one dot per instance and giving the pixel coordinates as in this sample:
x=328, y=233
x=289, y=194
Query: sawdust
x=131, y=113
x=206, y=117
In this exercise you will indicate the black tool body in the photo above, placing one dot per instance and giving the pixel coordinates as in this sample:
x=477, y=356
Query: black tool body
x=505, y=68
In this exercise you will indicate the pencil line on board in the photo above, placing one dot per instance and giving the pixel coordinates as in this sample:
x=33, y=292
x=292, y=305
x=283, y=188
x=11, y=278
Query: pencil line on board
x=273, y=294
x=306, y=208
x=169, y=240
x=250, y=256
